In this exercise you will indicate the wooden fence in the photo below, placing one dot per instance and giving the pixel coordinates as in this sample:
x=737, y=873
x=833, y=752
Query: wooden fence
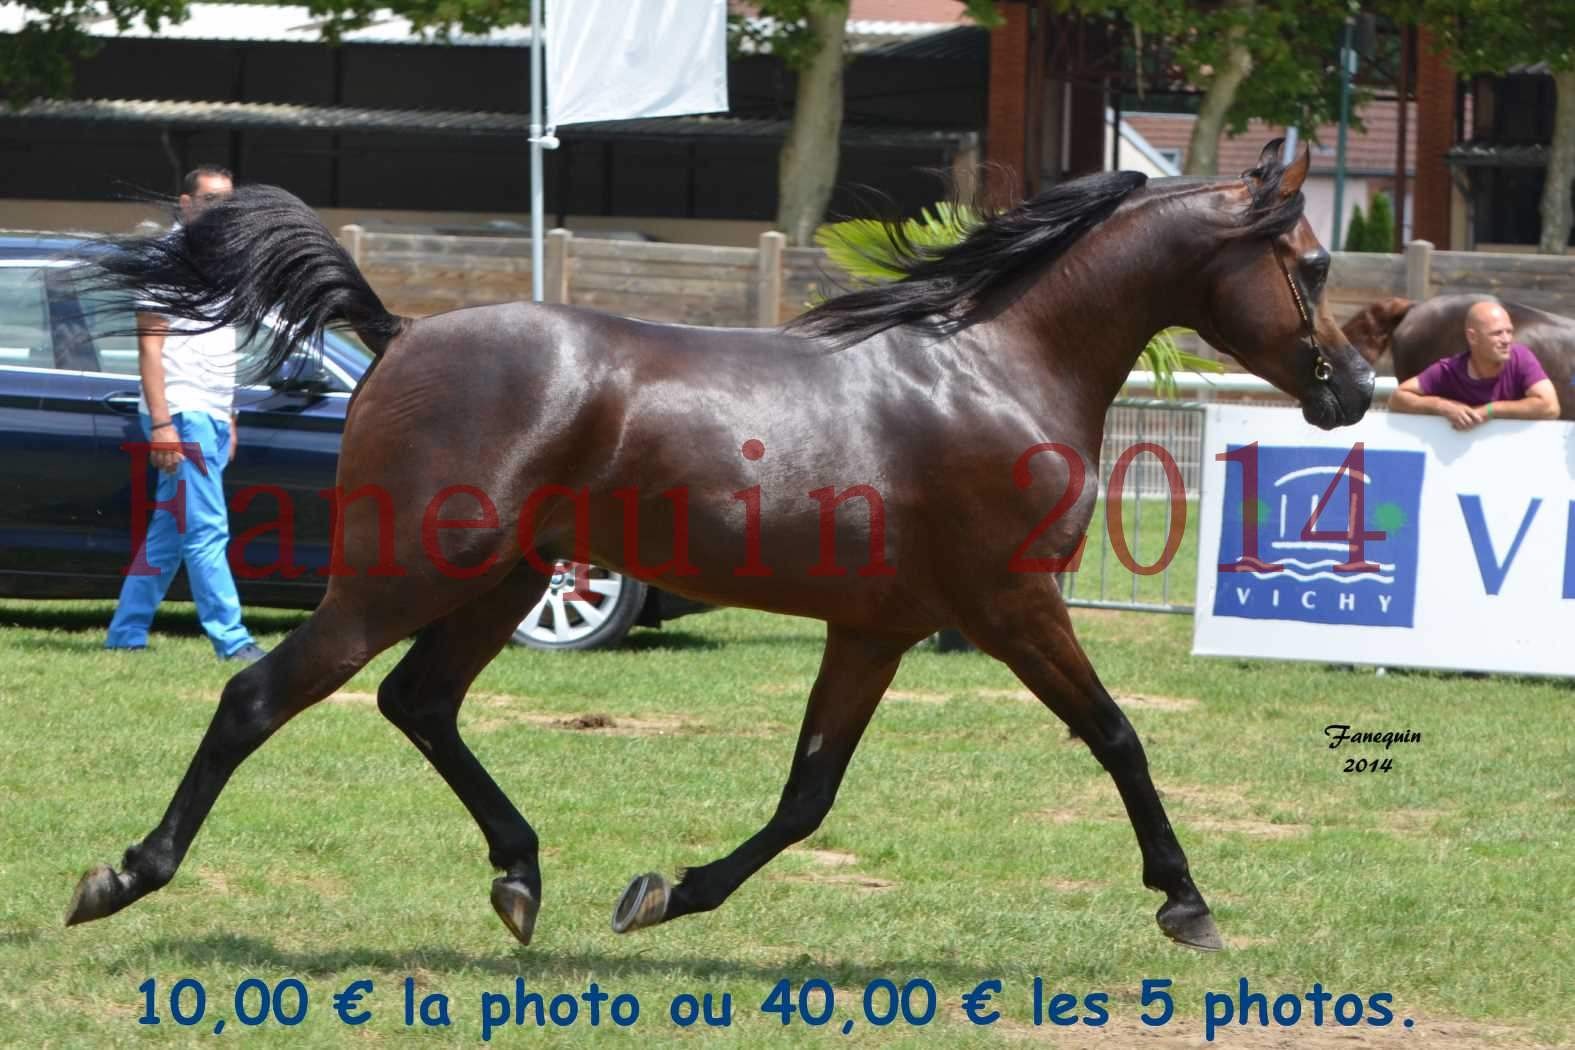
x=1546, y=282
x=419, y=274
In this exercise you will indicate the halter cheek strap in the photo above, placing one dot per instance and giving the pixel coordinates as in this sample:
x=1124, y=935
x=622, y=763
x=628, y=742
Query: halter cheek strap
x=1322, y=370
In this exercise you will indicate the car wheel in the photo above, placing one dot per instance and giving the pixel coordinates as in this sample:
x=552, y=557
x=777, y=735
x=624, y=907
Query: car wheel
x=561, y=620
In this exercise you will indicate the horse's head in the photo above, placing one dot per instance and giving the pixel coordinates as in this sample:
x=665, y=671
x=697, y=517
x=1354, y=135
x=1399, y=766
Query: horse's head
x=1372, y=331
x=1264, y=299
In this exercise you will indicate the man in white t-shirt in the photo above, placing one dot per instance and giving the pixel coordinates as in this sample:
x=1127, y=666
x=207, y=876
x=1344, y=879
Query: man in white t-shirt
x=188, y=401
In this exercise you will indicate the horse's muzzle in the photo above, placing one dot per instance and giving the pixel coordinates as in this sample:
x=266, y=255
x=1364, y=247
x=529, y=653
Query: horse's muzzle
x=1344, y=397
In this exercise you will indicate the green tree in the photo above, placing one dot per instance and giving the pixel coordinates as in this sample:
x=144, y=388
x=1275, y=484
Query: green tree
x=1275, y=60
x=1380, y=224
x=809, y=35
x=1356, y=233
x=1492, y=36
x=37, y=61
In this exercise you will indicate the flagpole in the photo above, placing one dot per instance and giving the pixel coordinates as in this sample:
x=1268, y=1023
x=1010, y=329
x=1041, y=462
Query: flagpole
x=538, y=142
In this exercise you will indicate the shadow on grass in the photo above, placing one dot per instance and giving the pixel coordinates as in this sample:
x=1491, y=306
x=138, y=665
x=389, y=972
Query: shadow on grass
x=1440, y=675
x=94, y=619
x=540, y=966
x=664, y=640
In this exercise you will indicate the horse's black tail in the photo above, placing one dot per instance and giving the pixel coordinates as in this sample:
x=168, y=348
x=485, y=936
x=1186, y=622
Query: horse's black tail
x=257, y=260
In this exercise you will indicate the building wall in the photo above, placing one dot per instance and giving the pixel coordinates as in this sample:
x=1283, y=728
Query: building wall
x=1359, y=193
x=678, y=176
x=1006, y=135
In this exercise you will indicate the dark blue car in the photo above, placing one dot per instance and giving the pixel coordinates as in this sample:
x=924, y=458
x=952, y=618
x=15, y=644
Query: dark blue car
x=68, y=403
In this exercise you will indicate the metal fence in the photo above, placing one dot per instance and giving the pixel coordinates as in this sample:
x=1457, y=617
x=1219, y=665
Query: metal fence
x=1125, y=564
x=1138, y=555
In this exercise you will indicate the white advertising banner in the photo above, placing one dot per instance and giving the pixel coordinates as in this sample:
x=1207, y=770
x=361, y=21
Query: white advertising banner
x=1397, y=542
x=625, y=59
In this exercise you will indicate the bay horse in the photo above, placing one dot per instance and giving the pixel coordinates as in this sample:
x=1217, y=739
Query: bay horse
x=963, y=405
x=1415, y=334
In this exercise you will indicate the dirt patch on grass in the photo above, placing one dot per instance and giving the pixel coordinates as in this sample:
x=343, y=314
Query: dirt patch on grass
x=826, y=858
x=327, y=886
x=784, y=688
x=350, y=696
x=213, y=880
x=1073, y=885
x=622, y=725
x=1260, y=828
x=1129, y=701
x=834, y=864
x=1216, y=795
x=1150, y=702
x=1412, y=821
x=848, y=880
x=1075, y=813
x=588, y=722
x=917, y=696
x=1019, y=694
x=599, y=723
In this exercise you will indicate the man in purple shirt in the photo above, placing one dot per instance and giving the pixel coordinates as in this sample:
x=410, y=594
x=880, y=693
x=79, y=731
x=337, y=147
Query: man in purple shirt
x=1496, y=378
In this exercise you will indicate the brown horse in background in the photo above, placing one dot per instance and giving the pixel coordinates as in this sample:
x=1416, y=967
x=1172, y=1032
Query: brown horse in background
x=1417, y=334
x=962, y=407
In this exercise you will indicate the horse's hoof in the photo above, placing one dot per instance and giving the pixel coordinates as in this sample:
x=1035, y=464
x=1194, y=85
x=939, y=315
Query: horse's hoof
x=643, y=904
x=516, y=905
x=1191, y=926
x=97, y=895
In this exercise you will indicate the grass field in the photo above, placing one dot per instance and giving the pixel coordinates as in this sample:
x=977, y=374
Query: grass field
x=971, y=841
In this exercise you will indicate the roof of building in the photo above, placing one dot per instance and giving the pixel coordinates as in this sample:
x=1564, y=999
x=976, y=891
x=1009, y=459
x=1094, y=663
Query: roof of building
x=256, y=115
x=949, y=11
x=1498, y=155
x=1367, y=152
x=874, y=23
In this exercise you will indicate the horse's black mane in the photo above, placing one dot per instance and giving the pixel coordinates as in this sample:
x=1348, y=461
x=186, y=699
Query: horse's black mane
x=947, y=289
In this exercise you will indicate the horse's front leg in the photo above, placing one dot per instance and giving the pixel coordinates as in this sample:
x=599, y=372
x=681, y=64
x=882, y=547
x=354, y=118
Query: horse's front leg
x=1028, y=629
x=312, y=662
x=855, y=670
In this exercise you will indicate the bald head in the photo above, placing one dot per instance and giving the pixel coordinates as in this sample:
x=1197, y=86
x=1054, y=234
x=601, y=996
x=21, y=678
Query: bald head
x=1486, y=315
x=1489, y=334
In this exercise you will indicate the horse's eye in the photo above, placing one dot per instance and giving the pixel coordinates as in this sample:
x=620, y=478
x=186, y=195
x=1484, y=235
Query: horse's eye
x=1315, y=271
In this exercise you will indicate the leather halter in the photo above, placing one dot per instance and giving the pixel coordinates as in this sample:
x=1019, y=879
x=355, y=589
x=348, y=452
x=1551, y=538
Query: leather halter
x=1322, y=370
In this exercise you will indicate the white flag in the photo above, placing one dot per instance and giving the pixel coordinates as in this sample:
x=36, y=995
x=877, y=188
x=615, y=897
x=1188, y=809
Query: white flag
x=621, y=59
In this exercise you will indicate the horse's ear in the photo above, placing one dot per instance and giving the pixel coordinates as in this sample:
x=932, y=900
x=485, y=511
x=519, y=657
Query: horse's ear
x=1390, y=312
x=1271, y=153
x=1295, y=174
x=1372, y=330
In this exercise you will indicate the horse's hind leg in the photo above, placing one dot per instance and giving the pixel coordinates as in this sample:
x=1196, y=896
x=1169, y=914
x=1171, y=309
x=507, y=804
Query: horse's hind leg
x=313, y=661
x=855, y=670
x=1030, y=631
x=422, y=697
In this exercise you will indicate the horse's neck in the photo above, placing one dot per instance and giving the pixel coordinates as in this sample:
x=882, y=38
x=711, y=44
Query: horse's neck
x=1089, y=316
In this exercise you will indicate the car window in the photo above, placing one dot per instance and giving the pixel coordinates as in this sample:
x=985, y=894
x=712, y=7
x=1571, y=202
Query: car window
x=44, y=324
x=112, y=330
x=24, y=318
x=299, y=364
